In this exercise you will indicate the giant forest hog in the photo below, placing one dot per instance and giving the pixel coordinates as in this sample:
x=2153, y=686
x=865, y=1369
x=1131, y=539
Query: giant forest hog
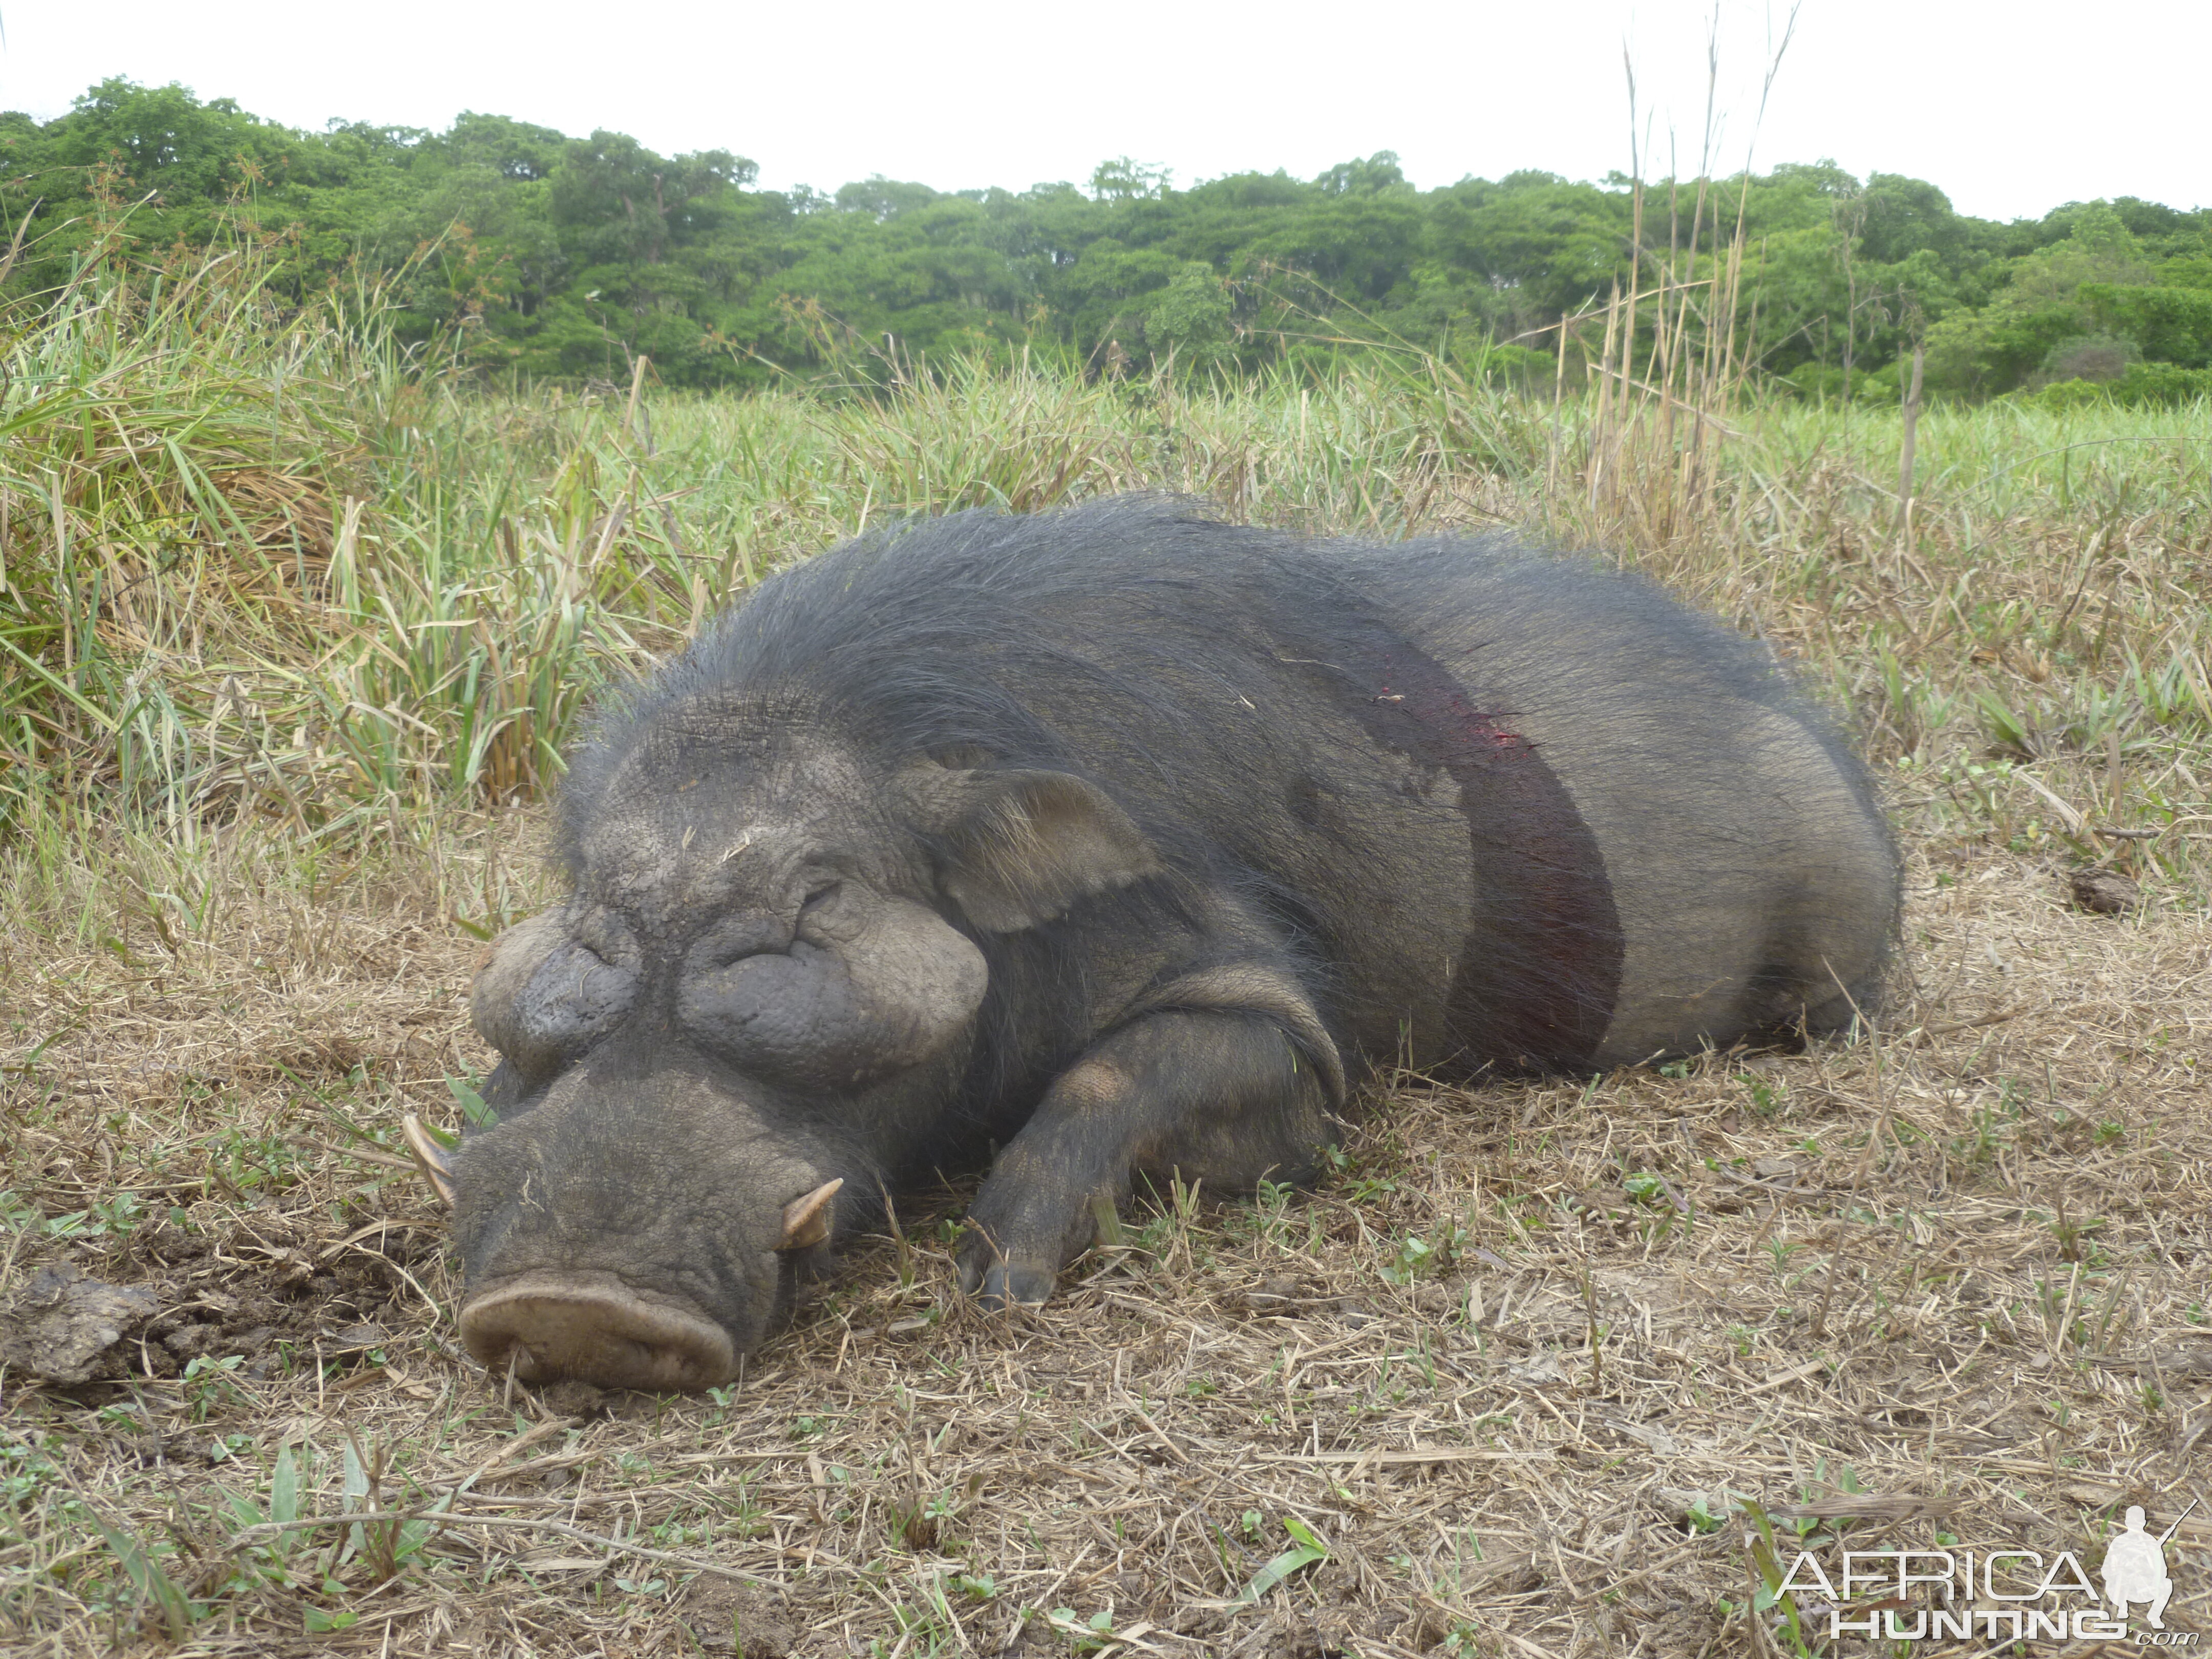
x=1118, y=842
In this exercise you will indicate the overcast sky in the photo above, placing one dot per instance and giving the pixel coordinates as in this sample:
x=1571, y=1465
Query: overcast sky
x=2012, y=108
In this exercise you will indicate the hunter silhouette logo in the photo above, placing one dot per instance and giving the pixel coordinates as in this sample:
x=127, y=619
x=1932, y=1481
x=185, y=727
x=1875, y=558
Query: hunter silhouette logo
x=2007, y=1595
x=2134, y=1567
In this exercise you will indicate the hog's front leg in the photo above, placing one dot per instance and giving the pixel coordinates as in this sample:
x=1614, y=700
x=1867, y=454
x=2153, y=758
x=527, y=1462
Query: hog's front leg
x=1222, y=1096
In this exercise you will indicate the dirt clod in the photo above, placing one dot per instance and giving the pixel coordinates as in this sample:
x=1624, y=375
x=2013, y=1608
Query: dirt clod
x=728, y=1619
x=570, y=1397
x=65, y=1326
x=2104, y=892
x=1274, y=1294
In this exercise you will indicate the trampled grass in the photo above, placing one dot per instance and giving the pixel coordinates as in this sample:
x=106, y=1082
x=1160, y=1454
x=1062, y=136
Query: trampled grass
x=297, y=631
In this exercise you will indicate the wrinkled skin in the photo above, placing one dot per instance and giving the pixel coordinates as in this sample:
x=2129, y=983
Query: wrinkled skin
x=833, y=929
x=753, y=1009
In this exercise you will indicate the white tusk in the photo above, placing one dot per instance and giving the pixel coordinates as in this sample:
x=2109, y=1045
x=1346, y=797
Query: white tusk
x=436, y=1163
x=807, y=1220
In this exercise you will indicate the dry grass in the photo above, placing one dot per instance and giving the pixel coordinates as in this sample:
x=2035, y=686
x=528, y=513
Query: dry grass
x=1965, y=1264
x=1501, y=1380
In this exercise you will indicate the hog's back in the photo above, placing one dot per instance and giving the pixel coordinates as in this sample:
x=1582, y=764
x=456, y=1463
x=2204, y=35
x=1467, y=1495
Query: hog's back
x=1522, y=812
x=1508, y=810
x=1529, y=812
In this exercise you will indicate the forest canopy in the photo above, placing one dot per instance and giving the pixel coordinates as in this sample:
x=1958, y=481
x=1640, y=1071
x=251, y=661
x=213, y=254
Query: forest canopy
x=563, y=258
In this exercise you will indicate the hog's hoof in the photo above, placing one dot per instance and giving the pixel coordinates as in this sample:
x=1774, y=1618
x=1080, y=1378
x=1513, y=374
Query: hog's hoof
x=1014, y=1287
x=998, y=1286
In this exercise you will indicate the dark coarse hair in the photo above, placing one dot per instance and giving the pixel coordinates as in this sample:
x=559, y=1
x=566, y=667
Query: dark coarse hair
x=1200, y=673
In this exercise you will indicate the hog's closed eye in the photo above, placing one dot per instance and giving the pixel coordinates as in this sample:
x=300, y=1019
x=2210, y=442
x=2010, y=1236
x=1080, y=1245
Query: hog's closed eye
x=734, y=938
x=600, y=934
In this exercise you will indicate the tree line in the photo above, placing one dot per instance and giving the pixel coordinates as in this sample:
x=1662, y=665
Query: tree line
x=555, y=257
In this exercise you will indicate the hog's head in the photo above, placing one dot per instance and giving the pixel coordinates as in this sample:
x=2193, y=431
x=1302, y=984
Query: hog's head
x=761, y=994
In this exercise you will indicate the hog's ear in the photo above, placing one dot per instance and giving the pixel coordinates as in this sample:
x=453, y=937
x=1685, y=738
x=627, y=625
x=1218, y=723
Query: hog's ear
x=543, y=996
x=1017, y=849
x=505, y=969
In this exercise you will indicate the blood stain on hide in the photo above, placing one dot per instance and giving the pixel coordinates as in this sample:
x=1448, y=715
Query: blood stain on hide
x=1541, y=970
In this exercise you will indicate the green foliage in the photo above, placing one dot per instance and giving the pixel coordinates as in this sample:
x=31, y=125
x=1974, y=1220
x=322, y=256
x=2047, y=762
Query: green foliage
x=1190, y=318
x=2143, y=386
x=2167, y=325
x=528, y=251
x=142, y=1566
x=1702, y=1518
x=2099, y=285
x=1306, y=1550
x=1767, y=1596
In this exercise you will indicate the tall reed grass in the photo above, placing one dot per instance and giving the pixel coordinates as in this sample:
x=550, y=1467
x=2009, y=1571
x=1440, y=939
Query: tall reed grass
x=262, y=565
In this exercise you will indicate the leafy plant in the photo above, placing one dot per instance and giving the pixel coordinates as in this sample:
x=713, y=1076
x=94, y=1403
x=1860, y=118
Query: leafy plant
x=1306, y=1550
x=210, y=1384
x=178, y=1613
x=1771, y=1573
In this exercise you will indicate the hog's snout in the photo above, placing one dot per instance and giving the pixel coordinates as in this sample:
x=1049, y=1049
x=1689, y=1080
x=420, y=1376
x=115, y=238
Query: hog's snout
x=592, y=1326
